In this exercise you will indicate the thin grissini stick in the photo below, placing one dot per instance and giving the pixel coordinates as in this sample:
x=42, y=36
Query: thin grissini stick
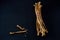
x=18, y=32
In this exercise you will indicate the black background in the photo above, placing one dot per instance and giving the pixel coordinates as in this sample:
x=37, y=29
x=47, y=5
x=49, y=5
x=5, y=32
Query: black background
x=21, y=12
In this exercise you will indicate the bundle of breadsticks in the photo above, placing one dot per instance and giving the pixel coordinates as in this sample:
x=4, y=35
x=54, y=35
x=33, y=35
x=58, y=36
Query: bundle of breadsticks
x=40, y=26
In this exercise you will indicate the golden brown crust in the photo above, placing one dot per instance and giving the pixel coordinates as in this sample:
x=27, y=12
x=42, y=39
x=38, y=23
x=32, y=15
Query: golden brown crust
x=40, y=26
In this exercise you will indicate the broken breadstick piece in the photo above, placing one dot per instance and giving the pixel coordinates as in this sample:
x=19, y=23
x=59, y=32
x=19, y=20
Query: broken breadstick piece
x=23, y=30
x=20, y=27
